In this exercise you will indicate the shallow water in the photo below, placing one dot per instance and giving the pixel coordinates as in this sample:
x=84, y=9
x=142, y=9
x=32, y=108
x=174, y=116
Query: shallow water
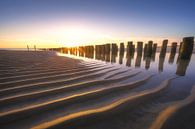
x=170, y=64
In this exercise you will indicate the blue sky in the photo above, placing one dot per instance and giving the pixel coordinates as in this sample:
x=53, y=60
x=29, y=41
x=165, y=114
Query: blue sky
x=112, y=20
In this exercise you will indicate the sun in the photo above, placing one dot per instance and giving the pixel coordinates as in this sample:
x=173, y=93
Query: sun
x=75, y=35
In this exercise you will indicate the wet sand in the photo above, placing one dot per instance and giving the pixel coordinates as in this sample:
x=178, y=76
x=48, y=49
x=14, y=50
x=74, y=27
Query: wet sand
x=43, y=90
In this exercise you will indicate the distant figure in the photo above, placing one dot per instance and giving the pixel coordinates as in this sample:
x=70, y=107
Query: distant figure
x=35, y=47
x=27, y=47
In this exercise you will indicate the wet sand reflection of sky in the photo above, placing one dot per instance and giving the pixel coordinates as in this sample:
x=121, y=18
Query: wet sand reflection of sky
x=170, y=63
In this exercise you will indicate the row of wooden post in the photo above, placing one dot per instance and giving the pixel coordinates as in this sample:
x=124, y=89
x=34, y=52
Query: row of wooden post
x=149, y=49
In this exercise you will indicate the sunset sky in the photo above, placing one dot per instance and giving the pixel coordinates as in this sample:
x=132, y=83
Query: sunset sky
x=57, y=23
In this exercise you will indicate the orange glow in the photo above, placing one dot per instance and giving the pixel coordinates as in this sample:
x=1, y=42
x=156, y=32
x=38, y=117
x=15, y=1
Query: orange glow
x=66, y=35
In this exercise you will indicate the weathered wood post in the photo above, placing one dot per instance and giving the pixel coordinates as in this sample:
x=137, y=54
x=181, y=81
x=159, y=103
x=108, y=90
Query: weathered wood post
x=129, y=47
x=154, y=48
x=128, y=62
x=138, y=61
x=121, y=54
x=107, y=48
x=186, y=48
x=149, y=49
x=163, y=48
x=114, y=51
x=122, y=48
x=103, y=52
x=173, y=47
x=139, y=48
x=114, y=48
x=145, y=50
x=92, y=51
x=107, y=52
x=154, y=51
x=173, y=52
x=133, y=50
x=180, y=46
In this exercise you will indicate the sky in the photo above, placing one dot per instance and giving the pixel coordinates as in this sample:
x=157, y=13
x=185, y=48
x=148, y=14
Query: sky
x=58, y=23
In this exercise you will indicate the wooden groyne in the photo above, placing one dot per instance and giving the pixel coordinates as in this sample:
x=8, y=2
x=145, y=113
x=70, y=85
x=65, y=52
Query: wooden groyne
x=109, y=51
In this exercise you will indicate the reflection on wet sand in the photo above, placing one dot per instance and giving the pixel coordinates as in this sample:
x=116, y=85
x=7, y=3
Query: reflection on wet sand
x=182, y=67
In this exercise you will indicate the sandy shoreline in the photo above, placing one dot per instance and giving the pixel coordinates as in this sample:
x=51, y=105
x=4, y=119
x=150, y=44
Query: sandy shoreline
x=43, y=90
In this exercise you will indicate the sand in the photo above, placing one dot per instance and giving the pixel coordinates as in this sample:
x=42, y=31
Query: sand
x=43, y=90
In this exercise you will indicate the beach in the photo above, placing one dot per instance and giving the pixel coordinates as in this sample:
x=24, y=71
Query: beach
x=48, y=89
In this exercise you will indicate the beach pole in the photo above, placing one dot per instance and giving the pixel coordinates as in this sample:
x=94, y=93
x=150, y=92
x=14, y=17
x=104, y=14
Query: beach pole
x=121, y=54
x=122, y=47
x=154, y=48
x=154, y=51
x=138, y=61
x=114, y=48
x=173, y=47
x=133, y=50
x=145, y=49
x=173, y=52
x=130, y=47
x=186, y=48
x=149, y=49
x=139, y=48
x=107, y=48
x=164, y=48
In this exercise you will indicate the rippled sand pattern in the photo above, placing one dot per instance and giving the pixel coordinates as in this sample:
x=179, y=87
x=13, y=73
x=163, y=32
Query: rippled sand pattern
x=42, y=90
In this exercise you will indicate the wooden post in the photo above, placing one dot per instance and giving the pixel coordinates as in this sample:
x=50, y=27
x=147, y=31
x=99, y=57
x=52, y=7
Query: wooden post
x=154, y=51
x=149, y=49
x=107, y=48
x=138, y=61
x=164, y=48
x=114, y=48
x=173, y=47
x=186, y=48
x=129, y=47
x=145, y=50
x=122, y=48
x=139, y=48
x=173, y=52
